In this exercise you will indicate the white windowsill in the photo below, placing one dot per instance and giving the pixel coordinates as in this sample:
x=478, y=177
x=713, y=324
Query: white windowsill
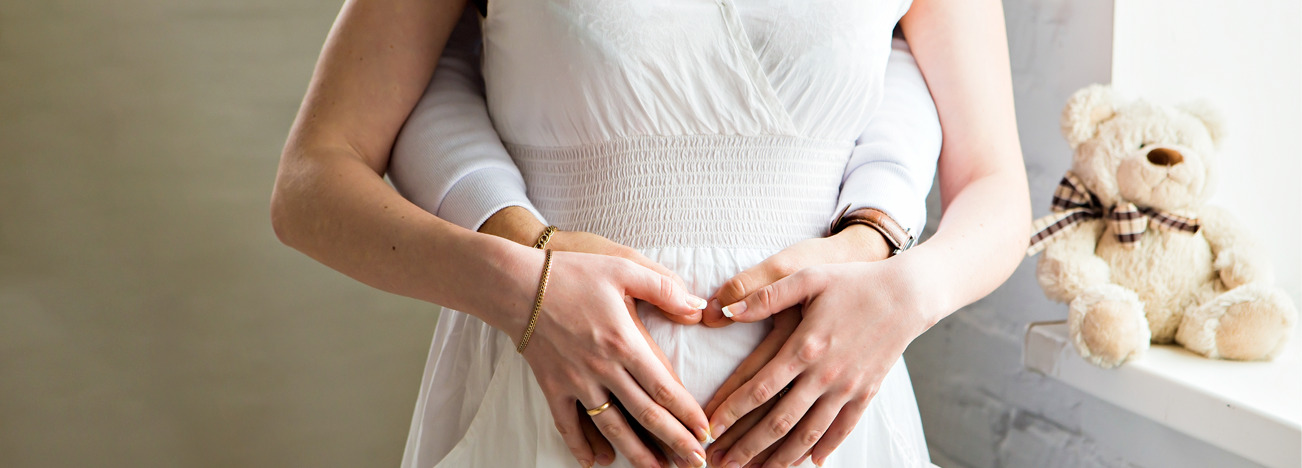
x=1252, y=409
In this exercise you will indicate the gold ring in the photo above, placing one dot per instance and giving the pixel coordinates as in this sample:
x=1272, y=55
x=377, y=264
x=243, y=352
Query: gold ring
x=598, y=410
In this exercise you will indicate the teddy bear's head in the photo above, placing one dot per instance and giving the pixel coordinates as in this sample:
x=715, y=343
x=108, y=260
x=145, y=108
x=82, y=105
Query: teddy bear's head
x=1139, y=152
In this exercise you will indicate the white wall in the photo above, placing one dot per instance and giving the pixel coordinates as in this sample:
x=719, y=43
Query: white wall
x=1246, y=59
x=980, y=407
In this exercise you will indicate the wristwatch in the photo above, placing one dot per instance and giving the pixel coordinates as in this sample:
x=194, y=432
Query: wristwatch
x=898, y=237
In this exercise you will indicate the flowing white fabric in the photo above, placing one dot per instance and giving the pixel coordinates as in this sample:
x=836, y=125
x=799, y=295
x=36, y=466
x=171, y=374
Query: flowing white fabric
x=708, y=135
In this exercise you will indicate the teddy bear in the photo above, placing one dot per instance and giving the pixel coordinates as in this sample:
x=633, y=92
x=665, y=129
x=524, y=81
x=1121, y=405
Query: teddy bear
x=1135, y=252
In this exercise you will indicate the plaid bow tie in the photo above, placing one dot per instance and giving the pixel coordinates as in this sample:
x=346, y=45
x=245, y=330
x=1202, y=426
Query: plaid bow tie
x=1073, y=203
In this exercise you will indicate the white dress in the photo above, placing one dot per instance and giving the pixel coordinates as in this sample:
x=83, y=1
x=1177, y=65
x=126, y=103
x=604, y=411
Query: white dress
x=708, y=135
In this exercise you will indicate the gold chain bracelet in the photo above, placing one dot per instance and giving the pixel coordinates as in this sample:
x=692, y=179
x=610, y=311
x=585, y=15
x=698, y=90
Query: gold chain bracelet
x=545, y=237
x=537, y=302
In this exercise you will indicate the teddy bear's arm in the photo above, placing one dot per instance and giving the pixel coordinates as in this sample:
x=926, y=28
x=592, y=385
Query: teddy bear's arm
x=1236, y=256
x=1069, y=266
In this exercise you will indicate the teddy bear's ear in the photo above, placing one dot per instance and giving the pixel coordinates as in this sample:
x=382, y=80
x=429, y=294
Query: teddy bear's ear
x=1086, y=109
x=1209, y=116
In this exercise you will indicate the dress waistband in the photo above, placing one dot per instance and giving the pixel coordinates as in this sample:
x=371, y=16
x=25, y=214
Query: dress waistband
x=689, y=191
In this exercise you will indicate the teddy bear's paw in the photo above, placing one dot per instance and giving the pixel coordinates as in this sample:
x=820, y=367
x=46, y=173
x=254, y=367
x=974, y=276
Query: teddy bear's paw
x=1249, y=323
x=1235, y=269
x=1064, y=277
x=1108, y=325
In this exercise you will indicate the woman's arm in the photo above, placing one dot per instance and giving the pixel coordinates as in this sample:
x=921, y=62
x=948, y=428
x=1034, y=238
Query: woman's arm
x=962, y=49
x=331, y=202
x=851, y=335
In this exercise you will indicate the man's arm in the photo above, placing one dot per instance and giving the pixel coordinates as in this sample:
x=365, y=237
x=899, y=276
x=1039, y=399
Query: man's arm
x=894, y=160
x=448, y=158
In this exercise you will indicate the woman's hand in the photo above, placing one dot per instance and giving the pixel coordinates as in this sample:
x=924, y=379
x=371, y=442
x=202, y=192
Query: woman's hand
x=855, y=243
x=587, y=347
x=857, y=320
x=784, y=324
x=519, y=225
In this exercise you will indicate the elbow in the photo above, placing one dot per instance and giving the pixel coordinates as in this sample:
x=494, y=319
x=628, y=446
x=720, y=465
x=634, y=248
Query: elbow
x=286, y=212
x=281, y=219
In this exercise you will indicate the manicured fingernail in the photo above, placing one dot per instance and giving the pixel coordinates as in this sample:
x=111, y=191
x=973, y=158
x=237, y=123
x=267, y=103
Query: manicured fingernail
x=717, y=430
x=734, y=309
x=703, y=435
x=585, y=463
x=732, y=464
x=717, y=459
x=819, y=461
x=605, y=459
x=698, y=460
x=696, y=302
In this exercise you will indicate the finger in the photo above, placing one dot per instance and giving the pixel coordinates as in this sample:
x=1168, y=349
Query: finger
x=796, y=289
x=720, y=447
x=602, y=452
x=808, y=432
x=611, y=423
x=653, y=265
x=735, y=289
x=840, y=429
x=665, y=409
x=801, y=461
x=790, y=409
x=783, y=326
x=773, y=377
x=766, y=455
x=646, y=335
x=637, y=257
x=567, y=423
x=762, y=274
x=659, y=290
x=658, y=448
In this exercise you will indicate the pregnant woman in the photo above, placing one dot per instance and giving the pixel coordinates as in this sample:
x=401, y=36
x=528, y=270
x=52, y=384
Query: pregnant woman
x=707, y=135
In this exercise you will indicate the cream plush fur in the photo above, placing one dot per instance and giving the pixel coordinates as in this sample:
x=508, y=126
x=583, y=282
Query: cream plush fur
x=1210, y=291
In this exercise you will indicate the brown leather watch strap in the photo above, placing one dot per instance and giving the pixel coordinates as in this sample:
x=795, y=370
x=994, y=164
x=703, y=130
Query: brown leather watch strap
x=895, y=235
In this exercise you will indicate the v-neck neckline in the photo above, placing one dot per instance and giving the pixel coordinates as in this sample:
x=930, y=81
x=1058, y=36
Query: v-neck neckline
x=758, y=78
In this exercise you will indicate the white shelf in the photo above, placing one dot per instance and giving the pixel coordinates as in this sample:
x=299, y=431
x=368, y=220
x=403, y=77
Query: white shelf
x=1252, y=409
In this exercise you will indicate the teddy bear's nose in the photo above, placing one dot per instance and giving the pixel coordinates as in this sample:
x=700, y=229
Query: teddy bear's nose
x=1165, y=157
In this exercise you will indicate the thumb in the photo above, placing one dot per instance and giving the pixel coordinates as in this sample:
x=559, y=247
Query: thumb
x=743, y=284
x=787, y=292
x=636, y=257
x=659, y=290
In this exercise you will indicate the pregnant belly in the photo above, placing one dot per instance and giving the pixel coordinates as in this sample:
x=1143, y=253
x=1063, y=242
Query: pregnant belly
x=704, y=357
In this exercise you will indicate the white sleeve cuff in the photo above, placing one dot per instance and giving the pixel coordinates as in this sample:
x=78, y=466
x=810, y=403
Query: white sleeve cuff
x=889, y=187
x=482, y=193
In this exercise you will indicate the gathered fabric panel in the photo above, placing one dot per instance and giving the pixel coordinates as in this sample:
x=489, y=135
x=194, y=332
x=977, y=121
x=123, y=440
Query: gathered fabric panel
x=697, y=191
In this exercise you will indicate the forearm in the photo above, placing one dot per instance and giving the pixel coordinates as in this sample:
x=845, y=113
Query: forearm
x=332, y=207
x=962, y=50
x=330, y=201
x=980, y=241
